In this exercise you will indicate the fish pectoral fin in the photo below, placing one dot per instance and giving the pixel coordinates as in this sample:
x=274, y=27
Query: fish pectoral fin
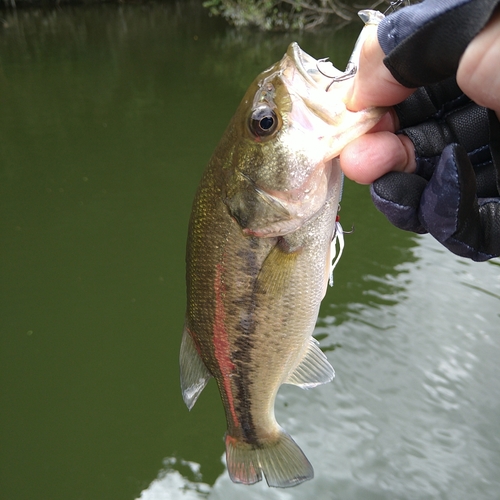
x=281, y=460
x=194, y=374
x=277, y=268
x=314, y=368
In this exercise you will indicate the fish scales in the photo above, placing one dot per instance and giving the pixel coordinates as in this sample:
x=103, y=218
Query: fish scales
x=258, y=258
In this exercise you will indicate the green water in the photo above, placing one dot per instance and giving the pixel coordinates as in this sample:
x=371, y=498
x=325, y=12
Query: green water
x=108, y=115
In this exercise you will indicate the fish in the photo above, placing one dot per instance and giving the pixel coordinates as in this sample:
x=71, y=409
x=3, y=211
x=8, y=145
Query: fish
x=259, y=255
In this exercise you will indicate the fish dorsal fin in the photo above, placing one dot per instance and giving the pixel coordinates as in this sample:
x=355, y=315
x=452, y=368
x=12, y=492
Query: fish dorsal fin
x=314, y=368
x=194, y=374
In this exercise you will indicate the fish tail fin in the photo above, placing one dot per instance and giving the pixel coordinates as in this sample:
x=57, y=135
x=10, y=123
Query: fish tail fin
x=281, y=461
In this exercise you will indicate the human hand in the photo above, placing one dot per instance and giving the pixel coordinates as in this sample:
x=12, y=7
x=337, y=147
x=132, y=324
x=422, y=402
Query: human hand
x=478, y=75
x=457, y=201
x=373, y=155
x=454, y=193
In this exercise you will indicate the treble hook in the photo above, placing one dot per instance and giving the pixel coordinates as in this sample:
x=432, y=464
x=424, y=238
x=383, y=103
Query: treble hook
x=350, y=71
x=325, y=59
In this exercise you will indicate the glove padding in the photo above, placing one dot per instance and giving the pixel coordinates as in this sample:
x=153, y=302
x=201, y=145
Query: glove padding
x=455, y=193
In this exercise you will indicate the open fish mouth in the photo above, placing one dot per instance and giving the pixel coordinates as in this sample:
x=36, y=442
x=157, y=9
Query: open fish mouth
x=318, y=73
x=322, y=73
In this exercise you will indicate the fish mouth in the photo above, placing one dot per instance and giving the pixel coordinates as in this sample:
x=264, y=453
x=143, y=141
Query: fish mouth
x=317, y=72
x=317, y=106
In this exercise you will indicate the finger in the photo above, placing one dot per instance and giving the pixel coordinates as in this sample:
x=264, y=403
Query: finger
x=373, y=84
x=388, y=123
x=478, y=74
x=373, y=155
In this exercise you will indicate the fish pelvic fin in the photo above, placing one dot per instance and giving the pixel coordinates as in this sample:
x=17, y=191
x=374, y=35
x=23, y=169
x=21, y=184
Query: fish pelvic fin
x=314, y=369
x=281, y=461
x=194, y=374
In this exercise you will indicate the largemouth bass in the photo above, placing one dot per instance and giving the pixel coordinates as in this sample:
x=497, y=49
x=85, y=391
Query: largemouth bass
x=259, y=256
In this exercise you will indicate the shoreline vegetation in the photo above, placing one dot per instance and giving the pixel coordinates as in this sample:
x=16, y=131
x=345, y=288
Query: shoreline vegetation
x=265, y=15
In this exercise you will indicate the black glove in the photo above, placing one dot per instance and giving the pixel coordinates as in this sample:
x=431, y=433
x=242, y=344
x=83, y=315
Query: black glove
x=455, y=192
x=425, y=41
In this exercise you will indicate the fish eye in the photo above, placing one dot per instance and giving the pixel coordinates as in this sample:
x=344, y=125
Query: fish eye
x=263, y=121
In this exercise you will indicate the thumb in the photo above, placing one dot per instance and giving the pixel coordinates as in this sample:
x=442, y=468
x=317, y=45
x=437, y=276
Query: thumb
x=373, y=84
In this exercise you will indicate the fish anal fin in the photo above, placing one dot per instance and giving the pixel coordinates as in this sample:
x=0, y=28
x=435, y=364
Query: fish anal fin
x=194, y=374
x=277, y=268
x=281, y=461
x=314, y=368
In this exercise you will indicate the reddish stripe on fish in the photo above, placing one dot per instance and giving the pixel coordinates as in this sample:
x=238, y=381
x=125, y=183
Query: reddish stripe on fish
x=221, y=342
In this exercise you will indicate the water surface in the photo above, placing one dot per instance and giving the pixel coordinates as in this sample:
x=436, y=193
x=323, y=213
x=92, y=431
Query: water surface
x=108, y=116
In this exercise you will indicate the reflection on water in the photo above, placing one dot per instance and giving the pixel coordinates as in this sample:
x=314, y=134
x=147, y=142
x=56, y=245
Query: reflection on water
x=414, y=410
x=108, y=115
x=172, y=483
